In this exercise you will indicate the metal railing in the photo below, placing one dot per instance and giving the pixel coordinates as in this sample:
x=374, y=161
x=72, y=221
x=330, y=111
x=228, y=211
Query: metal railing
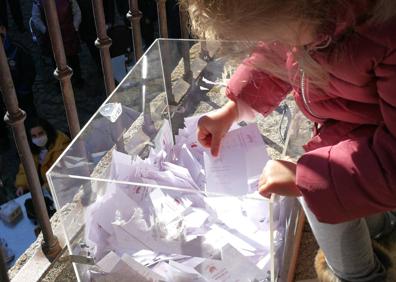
x=3, y=269
x=103, y=42
x=15, y=116
x=62, y=72
x=134, y=15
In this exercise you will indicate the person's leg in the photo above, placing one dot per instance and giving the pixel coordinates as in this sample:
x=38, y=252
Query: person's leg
x=348, y=248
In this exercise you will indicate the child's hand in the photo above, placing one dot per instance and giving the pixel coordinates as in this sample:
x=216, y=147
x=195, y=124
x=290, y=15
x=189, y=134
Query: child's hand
x=279, y=177
x=213, y=126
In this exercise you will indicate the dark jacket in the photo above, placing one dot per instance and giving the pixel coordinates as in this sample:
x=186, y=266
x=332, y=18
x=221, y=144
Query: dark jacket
x=67, y=21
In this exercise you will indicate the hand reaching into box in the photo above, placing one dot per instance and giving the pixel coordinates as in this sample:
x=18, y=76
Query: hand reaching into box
x=213, y=126
x=279, y=177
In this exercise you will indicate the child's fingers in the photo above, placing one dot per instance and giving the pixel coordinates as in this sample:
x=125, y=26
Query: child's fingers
x=266, y=195
x=215, y=145
x=263, y=187
x=203, y=136
x=207, y=141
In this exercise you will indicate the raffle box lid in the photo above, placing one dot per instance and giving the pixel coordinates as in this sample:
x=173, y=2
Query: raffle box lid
x=141, y=200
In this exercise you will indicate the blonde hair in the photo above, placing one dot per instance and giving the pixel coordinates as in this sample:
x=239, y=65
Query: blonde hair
x=249, y=19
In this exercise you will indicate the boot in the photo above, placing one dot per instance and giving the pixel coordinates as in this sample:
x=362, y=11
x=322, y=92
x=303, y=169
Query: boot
x=388, y=260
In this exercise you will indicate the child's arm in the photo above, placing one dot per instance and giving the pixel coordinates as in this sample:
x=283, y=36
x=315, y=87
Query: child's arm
x=254, y=90
x=250, y=90
x=356, y=177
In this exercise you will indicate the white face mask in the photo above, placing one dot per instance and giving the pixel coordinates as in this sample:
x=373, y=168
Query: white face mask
x=40, y=141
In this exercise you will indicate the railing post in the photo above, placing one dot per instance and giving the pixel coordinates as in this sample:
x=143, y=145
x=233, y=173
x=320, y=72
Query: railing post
x=165, y=50
x=188, y=75
x=62, y=72
x=134, y=15
x=103, y=42
x=3, y=269
x=15, y=117
x=163, y=20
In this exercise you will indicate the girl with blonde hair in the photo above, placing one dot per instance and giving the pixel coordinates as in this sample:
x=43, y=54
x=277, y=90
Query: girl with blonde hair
x=339, y=60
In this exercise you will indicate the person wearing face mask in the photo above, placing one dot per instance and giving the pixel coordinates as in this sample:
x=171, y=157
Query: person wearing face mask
x=46, y=145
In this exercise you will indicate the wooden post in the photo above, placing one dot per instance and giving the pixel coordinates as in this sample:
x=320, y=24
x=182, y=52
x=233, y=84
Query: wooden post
x=296, y=246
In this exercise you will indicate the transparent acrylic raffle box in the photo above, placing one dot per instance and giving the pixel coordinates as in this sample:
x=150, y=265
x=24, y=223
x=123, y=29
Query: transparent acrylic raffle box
x=141, y=200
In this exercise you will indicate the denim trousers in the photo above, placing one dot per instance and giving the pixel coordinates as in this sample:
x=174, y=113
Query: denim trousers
x=348, y=248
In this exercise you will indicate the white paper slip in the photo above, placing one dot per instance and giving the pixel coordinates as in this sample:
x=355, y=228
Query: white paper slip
x=187, y=159
x=104, y=210
x=235, y=262
x=242, y=156
x=226, y=174
x=126, y=273
x=184, y=273
x=164, y=138
x=123, y=269
x=166, y=207
x=180, y=172
x=218, y=237
x=108, y=262
x=196, y=218
x=166, y=270
x=145, y=272
x=215, y=270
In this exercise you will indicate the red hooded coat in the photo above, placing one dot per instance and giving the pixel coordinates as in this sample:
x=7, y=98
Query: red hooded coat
x=349, y=168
